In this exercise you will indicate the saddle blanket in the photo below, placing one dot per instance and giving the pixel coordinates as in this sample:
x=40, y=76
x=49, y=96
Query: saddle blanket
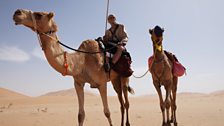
x=178, y=69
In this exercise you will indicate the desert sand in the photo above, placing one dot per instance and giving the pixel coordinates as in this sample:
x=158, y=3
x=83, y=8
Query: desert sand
x=60, y=109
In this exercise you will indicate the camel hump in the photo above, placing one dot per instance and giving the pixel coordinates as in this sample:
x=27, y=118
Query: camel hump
x=89, y=45
x=92, y=46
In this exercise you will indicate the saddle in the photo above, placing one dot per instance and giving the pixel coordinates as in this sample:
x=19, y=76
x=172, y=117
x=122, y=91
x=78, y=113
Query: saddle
x=178, y=69
x=123, y=65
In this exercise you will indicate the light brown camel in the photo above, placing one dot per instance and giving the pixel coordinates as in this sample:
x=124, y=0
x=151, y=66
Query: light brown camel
x=161, y=70
x=84, y=68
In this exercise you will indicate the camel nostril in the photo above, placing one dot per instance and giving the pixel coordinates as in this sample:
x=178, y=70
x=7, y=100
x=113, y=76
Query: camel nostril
x=18, y=12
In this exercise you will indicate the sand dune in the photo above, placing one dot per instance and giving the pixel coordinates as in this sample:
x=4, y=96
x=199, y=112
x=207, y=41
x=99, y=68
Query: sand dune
x=5, y=93
x=218, y=93
x=68, y=92
x=60, y=109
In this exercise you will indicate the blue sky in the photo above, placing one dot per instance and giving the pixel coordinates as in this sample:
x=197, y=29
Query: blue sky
x=193, y=31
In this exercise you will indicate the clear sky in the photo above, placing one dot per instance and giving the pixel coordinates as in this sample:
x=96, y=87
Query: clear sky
x=193, y=31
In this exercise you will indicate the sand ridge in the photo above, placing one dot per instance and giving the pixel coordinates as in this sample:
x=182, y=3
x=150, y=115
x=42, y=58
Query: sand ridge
x=6, y=93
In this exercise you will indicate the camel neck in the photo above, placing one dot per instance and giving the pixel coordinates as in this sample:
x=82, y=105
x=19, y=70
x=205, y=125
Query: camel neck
x=158, y=55
x=55, y=54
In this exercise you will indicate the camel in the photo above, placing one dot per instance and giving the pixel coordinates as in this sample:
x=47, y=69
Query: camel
x=161, y=70
x=84, y=68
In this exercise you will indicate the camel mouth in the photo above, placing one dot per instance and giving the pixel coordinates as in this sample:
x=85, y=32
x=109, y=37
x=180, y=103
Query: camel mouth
x=16, y=17
x=17, y=21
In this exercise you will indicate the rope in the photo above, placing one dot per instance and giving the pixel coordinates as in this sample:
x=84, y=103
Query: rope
x=140, y=76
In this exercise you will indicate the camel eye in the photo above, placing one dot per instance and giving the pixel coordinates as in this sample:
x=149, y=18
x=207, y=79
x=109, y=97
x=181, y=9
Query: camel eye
x=38, y=16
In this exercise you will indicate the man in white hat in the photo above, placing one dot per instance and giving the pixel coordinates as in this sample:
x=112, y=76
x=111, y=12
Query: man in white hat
x=116, y=35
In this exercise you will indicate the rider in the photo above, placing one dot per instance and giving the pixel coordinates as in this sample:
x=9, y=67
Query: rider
x=115, y=36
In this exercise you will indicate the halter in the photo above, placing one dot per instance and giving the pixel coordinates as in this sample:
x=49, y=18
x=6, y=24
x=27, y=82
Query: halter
x=158, y=48
x=35, y=29
x=65, y=65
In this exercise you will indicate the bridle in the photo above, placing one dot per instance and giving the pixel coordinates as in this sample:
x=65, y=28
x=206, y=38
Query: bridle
x=35, y=29
x=158, y=48
x=49, y=33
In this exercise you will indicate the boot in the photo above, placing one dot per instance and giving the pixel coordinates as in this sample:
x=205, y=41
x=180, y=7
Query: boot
x=107, y=67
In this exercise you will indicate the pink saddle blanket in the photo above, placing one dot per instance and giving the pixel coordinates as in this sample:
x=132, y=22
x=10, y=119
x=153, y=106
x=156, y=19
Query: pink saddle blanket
x=178, y=69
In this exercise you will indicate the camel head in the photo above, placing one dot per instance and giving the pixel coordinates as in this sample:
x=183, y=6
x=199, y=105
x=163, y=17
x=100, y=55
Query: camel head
x=41, y=22
x=156, y=35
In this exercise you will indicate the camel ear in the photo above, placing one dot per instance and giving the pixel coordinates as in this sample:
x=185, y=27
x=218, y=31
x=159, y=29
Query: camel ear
x=50, y=15
x=163, y=30
x=150, y=31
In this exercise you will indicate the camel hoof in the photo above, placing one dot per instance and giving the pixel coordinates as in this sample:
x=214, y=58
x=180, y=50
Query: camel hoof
x=171, y=121
x=175, y=124
x=166, y=124
x=127, y=124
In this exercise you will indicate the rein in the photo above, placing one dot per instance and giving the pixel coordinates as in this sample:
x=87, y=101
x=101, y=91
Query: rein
x=64, y=45
x=48, y=34
x=76, y=50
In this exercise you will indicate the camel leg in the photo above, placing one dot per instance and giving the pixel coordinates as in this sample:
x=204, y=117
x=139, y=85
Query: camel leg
x=174, y=106
x=103, y=93
x=172, y=109
x=162, y=107
x=117, y=87
x=125, y=82
x=80, y=94
x=122, y=107
x=167, y=101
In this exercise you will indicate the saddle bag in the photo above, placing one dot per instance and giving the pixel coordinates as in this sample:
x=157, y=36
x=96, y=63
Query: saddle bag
x=178, y=69
x=123, y=66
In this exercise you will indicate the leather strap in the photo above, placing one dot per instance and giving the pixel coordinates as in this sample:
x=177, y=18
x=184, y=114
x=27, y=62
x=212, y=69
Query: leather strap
x=114, y=32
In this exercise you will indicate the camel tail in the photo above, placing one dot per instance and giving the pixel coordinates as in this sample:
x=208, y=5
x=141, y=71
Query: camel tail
x=131, y=90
